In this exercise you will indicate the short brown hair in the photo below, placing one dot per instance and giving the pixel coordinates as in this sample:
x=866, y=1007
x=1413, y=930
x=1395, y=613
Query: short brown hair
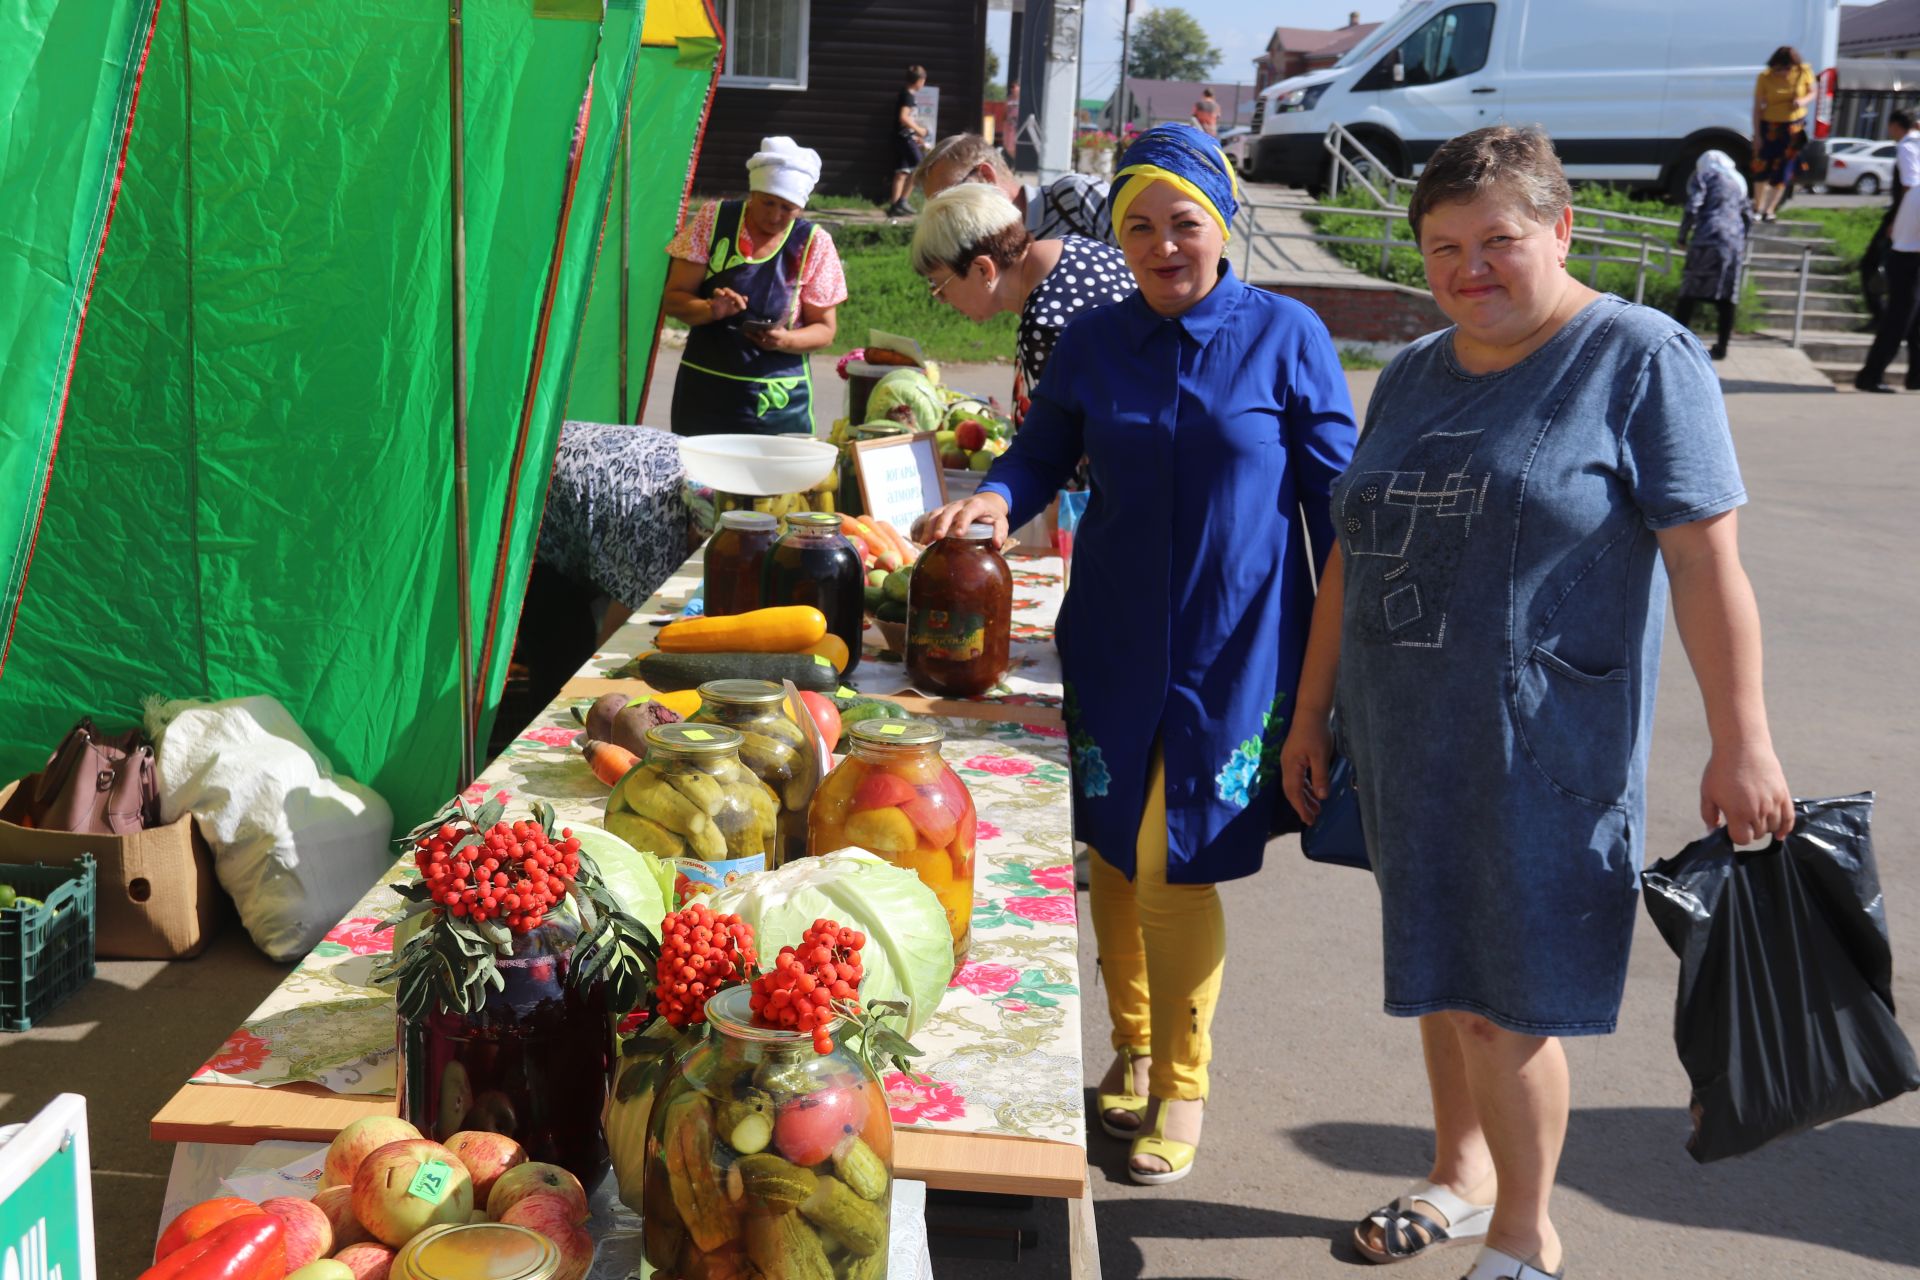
x=915, y=73
x=1785, y=58
x=1520, y=162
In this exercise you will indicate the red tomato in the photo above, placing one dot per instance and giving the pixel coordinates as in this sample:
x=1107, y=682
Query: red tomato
x=824, y=714
x=880, y=790
x=808, y=1129
x=929, y=813
x=198, y=1220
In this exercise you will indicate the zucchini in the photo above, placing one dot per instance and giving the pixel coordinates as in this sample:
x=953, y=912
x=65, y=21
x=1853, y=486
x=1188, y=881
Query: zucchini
x=782, y=629
x=670, y=672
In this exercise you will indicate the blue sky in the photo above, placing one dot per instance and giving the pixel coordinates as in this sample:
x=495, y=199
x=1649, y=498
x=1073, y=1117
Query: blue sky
x=1239, y=28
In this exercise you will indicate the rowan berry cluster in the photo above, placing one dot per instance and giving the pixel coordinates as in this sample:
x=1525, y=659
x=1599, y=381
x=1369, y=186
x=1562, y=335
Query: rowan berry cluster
x=700, y=953
x=514, y=873
x=812, y=985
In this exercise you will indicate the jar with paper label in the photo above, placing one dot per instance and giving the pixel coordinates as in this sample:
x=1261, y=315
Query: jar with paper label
x=960, y=615
x=693, y=802
x=775, y=748
x=894, y=796
x=814, y=563
x=735, y=558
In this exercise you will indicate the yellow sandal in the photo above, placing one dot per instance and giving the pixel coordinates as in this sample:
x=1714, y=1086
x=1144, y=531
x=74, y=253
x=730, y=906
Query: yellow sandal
x=1128, y=1101
x=1178, y=1155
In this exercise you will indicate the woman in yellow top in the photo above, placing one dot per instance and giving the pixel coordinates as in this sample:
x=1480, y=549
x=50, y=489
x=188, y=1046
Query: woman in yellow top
x=1781, y=95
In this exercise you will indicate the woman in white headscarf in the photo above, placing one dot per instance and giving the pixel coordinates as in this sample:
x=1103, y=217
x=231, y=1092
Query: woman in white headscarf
x=759, y=286
x=1713, y=231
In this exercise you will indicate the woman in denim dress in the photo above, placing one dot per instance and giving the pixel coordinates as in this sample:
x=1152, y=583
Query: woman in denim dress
x=1489, y=630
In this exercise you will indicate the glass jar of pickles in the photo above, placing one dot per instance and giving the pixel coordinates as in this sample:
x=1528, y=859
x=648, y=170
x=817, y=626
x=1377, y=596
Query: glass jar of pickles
x=730, y=570
x=773, y=746
x=960, y=615
x=693, y=802
x=814, y=563
x=894, y=796
x=767, y=1158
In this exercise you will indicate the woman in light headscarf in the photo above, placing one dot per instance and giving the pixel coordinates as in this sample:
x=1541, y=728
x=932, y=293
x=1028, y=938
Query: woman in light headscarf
x=1213, y=415
x=1713, y=231
x=759, y=286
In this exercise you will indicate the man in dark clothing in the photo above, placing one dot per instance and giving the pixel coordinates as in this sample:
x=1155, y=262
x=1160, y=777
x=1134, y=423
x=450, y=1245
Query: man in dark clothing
x=909, y=140
x=1873, y=263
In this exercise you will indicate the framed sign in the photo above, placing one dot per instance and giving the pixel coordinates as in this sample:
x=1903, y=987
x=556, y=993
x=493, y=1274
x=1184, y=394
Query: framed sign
x=926, y=112
x=900, y=478
x=46, y=1195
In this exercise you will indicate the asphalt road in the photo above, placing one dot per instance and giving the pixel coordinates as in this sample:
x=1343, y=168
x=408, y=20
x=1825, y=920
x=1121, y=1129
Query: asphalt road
x=1319, y=1108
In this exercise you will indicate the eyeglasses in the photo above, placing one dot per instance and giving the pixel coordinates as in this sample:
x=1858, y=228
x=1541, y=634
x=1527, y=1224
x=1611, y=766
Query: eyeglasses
x=934, y=290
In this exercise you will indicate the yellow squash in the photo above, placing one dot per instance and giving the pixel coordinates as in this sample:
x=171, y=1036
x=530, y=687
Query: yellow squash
x=784, y=629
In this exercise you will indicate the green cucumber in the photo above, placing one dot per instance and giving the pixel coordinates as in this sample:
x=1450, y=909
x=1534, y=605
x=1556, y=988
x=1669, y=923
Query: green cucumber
x=671, y=672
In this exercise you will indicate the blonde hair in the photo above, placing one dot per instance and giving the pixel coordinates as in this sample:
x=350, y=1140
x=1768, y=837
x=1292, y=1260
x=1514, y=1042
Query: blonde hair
x=965, y=222
x=966, y=150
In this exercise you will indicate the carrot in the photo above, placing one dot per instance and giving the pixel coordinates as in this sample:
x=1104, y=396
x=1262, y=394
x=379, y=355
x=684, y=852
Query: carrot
x=608, y=762
x=899, y=544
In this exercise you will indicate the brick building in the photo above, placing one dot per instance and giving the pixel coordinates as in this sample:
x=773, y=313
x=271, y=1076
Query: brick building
x=1293, y=51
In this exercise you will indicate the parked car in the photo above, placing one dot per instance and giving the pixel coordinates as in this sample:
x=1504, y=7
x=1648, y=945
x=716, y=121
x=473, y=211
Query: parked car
x=1234, y=142
x=1632, y=91
x=1865, y=170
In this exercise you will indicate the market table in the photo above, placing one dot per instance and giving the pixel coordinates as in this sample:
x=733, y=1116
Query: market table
x=998, y=1105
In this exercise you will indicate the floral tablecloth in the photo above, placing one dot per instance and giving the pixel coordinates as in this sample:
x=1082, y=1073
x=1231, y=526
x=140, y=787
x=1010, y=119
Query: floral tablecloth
x=1002, y=1053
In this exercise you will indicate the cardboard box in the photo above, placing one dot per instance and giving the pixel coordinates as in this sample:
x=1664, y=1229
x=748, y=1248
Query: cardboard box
x=158, y=899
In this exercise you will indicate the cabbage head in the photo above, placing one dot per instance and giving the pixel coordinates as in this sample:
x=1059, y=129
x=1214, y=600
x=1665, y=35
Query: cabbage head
x=641, y=883
x=909, y=951
x=908, y=397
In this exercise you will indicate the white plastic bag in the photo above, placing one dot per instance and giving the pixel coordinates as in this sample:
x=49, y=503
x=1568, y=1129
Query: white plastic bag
x=294, y=845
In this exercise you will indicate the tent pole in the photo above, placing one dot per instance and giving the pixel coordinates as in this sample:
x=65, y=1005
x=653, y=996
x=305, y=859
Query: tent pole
x=463, y=549
x=626, y=241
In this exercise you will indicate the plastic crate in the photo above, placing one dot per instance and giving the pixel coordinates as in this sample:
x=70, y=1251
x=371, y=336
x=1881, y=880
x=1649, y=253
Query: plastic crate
x=46, y=952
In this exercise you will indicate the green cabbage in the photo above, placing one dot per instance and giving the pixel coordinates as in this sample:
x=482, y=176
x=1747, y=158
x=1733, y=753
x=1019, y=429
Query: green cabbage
x=641, y=883
x=908, y=397
x=909, y=951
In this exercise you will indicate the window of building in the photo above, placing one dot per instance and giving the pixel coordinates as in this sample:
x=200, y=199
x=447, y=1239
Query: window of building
x=766, y=43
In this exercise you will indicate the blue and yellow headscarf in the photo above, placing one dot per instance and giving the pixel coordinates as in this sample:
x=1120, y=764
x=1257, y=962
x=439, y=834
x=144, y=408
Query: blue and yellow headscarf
x=1187, y=157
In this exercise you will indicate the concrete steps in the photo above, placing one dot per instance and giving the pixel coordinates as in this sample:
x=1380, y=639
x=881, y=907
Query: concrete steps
x=1840, y=355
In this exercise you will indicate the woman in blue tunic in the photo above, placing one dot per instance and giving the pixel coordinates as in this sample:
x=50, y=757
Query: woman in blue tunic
x=1713, y=231
x=1492, y=614
x=1211, y=415
x=758, y=287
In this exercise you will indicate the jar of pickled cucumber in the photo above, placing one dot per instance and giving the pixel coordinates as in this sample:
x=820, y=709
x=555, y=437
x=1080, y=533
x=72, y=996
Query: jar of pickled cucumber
x=767, y=1158
x=894, y=796
x=773, y=746
x=692, y=801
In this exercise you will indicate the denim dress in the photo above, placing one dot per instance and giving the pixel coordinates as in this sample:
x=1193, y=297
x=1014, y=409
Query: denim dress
x=1501, y=643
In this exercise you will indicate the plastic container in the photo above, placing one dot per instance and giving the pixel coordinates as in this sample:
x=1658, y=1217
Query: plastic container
x=814, y=563
x=694, y=803
x=960, y=615
x=757, y=465
x=731, y=568
x=767, y=1158
x=477, y=1251
x=894, y=796
x=775, y=748
x=46, y=952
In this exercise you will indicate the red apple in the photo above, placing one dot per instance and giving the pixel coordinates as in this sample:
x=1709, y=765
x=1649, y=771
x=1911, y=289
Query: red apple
x=325, y=1269
x=487, y=1156
x=970, y=435
x=337, y=1204
x=355, y=1142
x=307, y=1229
x=366, y=1261
x=551, y=1214
x=384, y=1199
x=524, y=1180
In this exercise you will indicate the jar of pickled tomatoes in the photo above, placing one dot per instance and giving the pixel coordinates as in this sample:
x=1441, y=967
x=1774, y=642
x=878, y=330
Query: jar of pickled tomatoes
x=894, y=796
x=960, y=615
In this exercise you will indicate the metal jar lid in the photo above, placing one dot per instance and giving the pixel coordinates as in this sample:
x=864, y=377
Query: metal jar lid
x=683, y=738
x=898, y=733
x=742, y=693
x=478, y=1251
x=755, y=521
x=814, y=521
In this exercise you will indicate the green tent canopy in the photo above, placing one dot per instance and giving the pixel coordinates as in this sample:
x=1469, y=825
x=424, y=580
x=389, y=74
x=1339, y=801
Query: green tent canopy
x=253, y=488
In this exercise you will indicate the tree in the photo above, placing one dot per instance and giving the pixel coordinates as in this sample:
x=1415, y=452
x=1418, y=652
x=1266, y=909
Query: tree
x=996, y=92
x=1170, y=44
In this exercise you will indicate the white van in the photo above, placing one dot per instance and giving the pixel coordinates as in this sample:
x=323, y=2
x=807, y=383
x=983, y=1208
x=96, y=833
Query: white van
x=1632, y=91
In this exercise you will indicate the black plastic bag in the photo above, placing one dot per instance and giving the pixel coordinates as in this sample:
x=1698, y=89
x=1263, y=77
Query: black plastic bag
x=1785, y=1014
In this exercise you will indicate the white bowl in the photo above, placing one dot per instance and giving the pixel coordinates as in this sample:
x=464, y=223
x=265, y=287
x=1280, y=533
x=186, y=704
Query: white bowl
x=757, y=466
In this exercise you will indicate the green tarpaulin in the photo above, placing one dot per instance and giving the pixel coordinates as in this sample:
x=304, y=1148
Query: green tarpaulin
x=253, y=489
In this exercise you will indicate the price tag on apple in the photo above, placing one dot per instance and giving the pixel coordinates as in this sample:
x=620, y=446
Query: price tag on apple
x=432, y=1182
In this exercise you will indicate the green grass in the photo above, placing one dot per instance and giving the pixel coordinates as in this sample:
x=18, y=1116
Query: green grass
x=884, y=293
x=859, y=204
x=1404, y=265
x=1355, y=358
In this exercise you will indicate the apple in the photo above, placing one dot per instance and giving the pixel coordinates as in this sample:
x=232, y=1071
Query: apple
x=524, y=1180
x=325, y=1269
x=970, y=435
x=352, y=1144
x=307, y=1229
x=487, y=1156
x=551, y=1214
x=493, y=1112
x=366, y=1261
x=337, y=1204
x=456, y=1099
x=383, y=1198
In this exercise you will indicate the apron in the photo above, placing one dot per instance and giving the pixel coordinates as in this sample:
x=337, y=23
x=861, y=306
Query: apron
x=727, y=384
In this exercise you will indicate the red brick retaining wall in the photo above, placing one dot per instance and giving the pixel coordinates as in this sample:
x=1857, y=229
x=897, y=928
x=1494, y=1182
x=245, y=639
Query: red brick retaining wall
x=1363, y=313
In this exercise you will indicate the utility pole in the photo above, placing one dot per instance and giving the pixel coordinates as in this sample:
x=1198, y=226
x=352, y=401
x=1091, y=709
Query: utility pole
x=1125, y=113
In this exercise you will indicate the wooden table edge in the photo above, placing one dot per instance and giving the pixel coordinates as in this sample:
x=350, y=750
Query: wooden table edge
x=241, y=1115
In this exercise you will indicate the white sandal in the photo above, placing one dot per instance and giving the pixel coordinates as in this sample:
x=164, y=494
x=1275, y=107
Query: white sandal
x=1495, y=1265
x=1466, y=1223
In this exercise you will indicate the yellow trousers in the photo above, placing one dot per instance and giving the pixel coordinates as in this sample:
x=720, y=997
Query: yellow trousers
x=1169, y=940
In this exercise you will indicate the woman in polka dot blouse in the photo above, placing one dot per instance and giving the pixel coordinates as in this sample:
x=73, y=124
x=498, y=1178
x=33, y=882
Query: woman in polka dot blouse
x=973, y=247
